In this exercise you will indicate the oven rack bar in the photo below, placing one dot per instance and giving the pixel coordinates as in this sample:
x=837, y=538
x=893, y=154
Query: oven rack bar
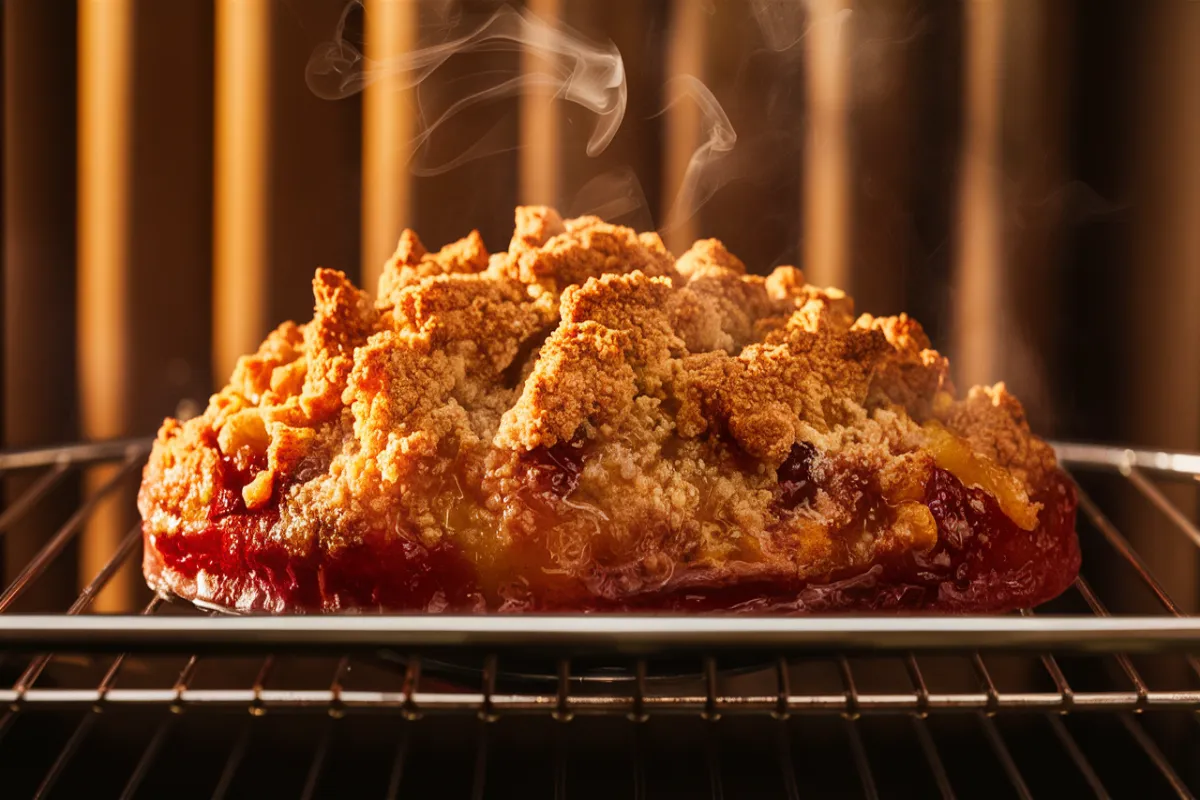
x=616, y=635
x=601, y=705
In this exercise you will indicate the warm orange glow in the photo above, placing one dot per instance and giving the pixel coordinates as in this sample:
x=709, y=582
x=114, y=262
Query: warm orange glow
x=826, y=190
x=388, y=129
x=242, y=119
x=687, y=49
x=104, y=332
x=540, y=156
x=979, y=300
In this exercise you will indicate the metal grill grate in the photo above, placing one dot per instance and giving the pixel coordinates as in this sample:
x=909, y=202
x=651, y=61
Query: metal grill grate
x=952, y=705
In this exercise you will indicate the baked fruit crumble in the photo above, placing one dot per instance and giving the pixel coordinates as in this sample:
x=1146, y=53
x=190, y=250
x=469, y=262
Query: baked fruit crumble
x=585, y=422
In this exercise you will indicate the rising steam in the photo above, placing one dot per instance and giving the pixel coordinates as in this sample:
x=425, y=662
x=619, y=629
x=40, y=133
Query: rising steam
x=581, y=72
x=785, y=22
x=703, y=175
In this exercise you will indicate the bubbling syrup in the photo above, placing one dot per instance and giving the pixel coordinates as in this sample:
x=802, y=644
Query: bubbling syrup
x=982, y=561
x=552, y=473
x=244, y=565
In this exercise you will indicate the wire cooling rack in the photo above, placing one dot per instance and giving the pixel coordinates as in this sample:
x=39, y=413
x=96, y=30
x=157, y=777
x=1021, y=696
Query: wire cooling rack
x=1131, y=668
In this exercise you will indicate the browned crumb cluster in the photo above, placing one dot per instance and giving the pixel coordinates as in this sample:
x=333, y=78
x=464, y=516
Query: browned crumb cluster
x=688, y=382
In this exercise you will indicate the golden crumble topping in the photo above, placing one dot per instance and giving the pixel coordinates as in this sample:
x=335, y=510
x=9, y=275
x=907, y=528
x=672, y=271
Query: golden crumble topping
x=635, y=410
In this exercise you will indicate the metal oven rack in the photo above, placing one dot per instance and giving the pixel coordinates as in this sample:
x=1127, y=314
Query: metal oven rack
x=1070, y=700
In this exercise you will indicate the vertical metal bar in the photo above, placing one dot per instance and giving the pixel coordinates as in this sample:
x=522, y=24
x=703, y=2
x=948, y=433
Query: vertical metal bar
x=782, y=697
x=1060, y=730
x=1006, y=760
x=81, y=604
x=918, y=683
x=183, y=681
x=1060, y=682
x=1056, y=675
x=562, y=707
x=118, y=558
x=687, y=54
x=64, y=756
x=861, y=763
x=114, y=670
x=412, y=677
x=336, y=709
x=850, y=687
x=782, y=712
x=1156, y=755
x=851, y=716
x=786, y=766
x=990, y=730
x=318, y=762
x=63, y=536
x=104, y=338
x=38, y=664
x=233, y=761
x=562, y=743
x=933, y=758
x=148, y=755
x=1119, y=543
x=979, y=273
x=541, y=152
x=389, y=112
x=825, y=201
x=242, y=126
x=1069, y=744
x=151, y=752
x=90, y=717
x=712, y=752
x=479, y=780
x=10, y=716
x=639, y=762
x=639, y=717
x=924, y=737
x=989, y=686
x=47, y=481
x=257, y=709
x=638, y=712
x=1097, y=607
x=336, y=712
x=396, y=776
x=487, y=710
x=712, y=712
x=1156, y=496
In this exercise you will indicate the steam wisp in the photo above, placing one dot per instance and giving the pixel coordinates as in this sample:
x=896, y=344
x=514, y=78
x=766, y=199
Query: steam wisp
x=582, y=72
x=616, y=196
x=702, y=178
x=784, y=23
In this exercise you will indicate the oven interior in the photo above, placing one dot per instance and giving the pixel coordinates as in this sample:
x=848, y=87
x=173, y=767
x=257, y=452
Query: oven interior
x=1021, y=177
